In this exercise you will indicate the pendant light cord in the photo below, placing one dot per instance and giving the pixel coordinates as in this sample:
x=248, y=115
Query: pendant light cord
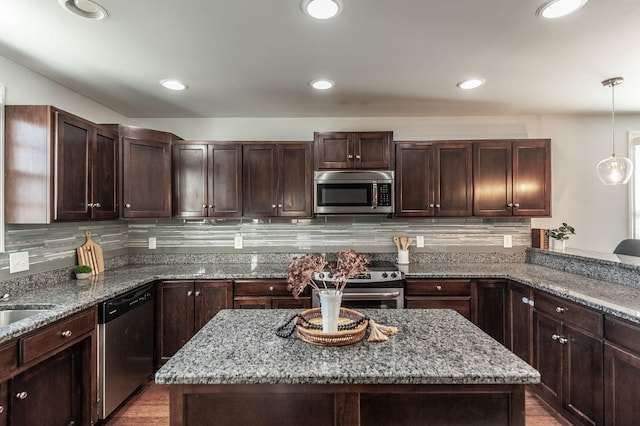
x=613, y=119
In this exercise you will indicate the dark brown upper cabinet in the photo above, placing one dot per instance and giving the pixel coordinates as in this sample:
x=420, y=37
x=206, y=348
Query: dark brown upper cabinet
x=434, y=178
x=512, y=178
x=277, y=179
x=353, y=150
x=207, y=179
x=59, y=167
x=146, y=172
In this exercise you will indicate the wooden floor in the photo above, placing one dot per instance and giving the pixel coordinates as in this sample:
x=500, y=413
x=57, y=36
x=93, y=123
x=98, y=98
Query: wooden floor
x=150, y=406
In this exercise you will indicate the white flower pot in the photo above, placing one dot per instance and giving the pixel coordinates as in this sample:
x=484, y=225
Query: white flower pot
x=330, y=301
x=556, y=244
x=83, y=275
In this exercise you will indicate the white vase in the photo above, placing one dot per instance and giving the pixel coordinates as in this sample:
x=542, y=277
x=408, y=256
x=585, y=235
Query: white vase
x=556, y=244
x=330, y=301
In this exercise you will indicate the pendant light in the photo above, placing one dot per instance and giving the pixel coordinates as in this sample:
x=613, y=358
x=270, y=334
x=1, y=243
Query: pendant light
x=614, y=170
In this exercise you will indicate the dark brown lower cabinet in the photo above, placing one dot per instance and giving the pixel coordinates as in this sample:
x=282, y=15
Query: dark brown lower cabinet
x=518, y=320
x=570, y=362
x=440, y=294
x=490, y=308
x=621, y=386
x=51, y=393
x=4, y=404
x=267, y=294
x=182, y=308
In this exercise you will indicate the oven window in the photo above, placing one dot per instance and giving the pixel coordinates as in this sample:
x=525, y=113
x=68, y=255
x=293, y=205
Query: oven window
x=336, y=194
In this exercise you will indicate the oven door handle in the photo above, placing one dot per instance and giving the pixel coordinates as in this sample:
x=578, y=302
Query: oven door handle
x=370, y=296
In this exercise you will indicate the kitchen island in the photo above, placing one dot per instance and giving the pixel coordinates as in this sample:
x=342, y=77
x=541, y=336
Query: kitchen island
x=438, y=369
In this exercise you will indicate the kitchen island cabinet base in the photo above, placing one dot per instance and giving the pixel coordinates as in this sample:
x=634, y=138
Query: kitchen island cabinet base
x=347, y=405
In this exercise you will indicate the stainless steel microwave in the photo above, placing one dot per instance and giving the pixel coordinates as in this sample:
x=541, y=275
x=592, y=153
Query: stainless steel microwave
x=354, y=192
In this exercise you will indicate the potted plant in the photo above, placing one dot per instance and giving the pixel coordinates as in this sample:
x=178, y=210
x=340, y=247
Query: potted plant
x=558, y=236
x=82, y=272
x=304, y=270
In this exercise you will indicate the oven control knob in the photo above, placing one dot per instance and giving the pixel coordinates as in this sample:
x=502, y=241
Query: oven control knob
x=393, y=275
x=384, y=275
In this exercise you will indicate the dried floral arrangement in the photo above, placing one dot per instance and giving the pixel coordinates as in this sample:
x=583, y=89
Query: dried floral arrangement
x=302, y=269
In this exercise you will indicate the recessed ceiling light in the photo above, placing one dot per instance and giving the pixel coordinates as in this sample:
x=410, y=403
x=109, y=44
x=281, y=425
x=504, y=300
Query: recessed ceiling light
x=559, y=8
x=471, y=83
x=173, y=84
x=322, y=84
x=86, y=9
x=322, y=9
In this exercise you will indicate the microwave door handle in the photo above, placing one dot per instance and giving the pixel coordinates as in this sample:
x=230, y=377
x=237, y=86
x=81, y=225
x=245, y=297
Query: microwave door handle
x=374, y=201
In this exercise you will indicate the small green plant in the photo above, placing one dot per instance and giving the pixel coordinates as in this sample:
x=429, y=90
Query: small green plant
x=82, y=269
x=562, y=232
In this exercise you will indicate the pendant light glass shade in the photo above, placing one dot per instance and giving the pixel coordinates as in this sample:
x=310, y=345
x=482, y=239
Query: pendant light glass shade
x=614, y=170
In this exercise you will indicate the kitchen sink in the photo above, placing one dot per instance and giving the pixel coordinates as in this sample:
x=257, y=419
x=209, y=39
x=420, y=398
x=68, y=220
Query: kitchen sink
x=9, y=316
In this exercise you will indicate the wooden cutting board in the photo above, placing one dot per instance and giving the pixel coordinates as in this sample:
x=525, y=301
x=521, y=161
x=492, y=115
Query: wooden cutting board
x=90, y=254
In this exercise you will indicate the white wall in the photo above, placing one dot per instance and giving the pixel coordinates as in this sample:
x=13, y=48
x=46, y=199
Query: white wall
x=25, y=87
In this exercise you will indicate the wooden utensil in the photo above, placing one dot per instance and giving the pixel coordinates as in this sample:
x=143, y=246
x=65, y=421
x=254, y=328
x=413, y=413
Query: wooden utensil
x=403, y=242
x=396, y=240
x=90, y=254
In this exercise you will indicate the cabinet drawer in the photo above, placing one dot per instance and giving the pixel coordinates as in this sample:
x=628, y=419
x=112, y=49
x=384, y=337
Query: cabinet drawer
x=439, y=287
x=570, y=312
x=263, y=288
x=460, y=304
x=8, y=358
x=55, y=335
x=622, y=333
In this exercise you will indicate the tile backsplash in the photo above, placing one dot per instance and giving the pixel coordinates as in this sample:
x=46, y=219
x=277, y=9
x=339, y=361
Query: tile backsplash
x=54, y=246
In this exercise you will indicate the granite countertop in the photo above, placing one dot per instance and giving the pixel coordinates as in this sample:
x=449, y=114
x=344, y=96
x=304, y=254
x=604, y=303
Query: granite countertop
x=69, y=296
x=431, y=347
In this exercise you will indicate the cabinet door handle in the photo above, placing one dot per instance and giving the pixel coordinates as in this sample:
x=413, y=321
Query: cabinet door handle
x=563, y=341
x=279, y=206
x=437, y=206
x=189, y=293
x=516, y=205
x=197, y=293
x=349, y=157
x=204, y=206
x=273, y=206
x=211, y=206
x=90, y=205
x=525, y=300
x=555, y=337
x=431, y=205
x=357, y=157
x=66, y=333
x=509, y=204
x=439, y=287
x=22, y=395
x=271, y=288
x=560, y=309
x=128, y=205
x=1, y=409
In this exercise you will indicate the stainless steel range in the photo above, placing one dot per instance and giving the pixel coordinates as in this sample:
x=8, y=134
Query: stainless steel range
x=381, y=288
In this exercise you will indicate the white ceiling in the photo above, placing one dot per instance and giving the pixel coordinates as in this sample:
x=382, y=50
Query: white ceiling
x=254, y=58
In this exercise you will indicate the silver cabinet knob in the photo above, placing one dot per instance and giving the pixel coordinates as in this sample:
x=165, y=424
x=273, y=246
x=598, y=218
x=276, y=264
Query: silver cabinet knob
x=439, y=287
x=563, y=341
x=128, y=205
x=357, y=157
x=211, y=206
x=349, y=157
x=1, y=409
x=90, y=205
x=197, y=293
x=509, y=204
x=431, y=205
x=525, y=300
x=66, y=333
x=22, y=395
x=560, y=309
x=279, y=206
x=273, y=206
x=437, y=206
x=271, y=288
x=555, y=337
x=189, y=293
x=204, y=206
x=516, y=205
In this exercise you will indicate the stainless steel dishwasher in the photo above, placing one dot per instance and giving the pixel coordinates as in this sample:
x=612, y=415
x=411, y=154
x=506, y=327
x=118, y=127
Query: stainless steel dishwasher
x=125, y=349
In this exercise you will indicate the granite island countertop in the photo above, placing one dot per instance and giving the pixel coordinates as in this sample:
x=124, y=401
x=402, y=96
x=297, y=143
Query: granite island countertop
x=431, y=347
x=69, y=296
